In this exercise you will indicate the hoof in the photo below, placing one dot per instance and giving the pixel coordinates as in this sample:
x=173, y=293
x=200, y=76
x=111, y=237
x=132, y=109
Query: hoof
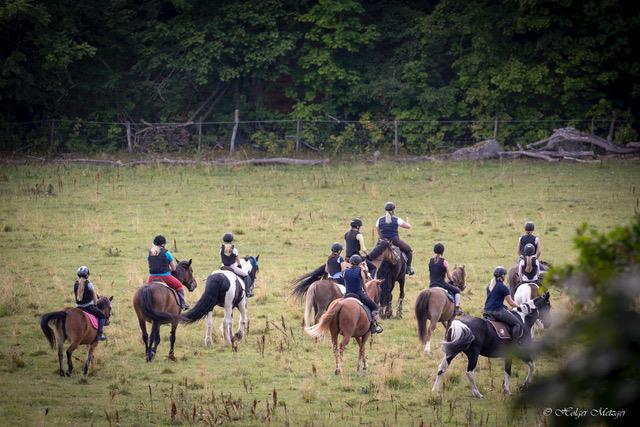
x=68, y=373
x=506, y=392
x=62, y=373
x=365, y=367
x=337, y=371
x=171, y=357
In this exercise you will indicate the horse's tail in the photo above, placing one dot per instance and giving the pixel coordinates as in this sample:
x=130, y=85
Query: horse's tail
x=422, y=314
x=318, y=331
x=310, y=300
x=44, y=324
x=206, y=302
x=302, y=283
x=145, y=299
x=460, y=338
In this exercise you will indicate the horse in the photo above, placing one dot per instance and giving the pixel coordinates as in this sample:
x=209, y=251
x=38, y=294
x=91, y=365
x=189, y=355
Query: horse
x=434, y=305
x=525, y=293
x=513, y=279
x=348, y=317
x=249, y=265
x=395, y=261
x=157, y=304
x=72, y=324
x=477, y=337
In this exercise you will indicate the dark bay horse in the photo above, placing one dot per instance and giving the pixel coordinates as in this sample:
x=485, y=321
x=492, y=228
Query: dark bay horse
x=477, y=337
x=157, y=304
x=391, y=265
x=347, y=316
x=434, y=305
x=71, y=324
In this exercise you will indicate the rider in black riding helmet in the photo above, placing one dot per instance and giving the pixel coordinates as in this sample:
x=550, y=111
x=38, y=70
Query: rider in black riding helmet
x=438, y=270
x=230, y=261
x=333, y=267
x=353, y=284
x=387, y=228
x=529, y=267
x=86, y=299
x=355, y=244
x=497, y=293
x=529, y=238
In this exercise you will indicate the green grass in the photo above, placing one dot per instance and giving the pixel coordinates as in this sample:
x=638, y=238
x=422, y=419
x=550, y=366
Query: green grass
x=55, y=218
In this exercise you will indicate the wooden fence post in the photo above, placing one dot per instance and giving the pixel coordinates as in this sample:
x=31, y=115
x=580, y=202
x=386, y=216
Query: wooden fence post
x=129, y=142
x=52, y=125
x=495, y=128
x=395, y=137
x=199, y=133
x=298, y=135
x=232, y=146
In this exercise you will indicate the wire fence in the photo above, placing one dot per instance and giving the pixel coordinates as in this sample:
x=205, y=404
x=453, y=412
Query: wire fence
x=287, y=137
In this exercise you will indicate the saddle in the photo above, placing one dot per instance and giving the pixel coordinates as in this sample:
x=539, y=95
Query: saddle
x=449, y=294
x=366, y=309
x=173, y=291
x=502, y=329
x=93, y=320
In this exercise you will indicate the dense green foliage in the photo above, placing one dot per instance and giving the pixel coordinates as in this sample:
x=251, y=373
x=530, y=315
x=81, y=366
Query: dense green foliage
x=176, y=60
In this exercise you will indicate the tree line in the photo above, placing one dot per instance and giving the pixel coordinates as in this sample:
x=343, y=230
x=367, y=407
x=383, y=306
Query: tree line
x=432, y=61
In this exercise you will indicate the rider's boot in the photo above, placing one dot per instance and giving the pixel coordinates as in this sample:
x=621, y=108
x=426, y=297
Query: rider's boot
x=410, y=270
x=248, y=286
x=458, y=311
x=375, y=328
x=183, y=303
x=99, y=335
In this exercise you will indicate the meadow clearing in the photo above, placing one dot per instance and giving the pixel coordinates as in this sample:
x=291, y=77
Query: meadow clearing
x=54, y=218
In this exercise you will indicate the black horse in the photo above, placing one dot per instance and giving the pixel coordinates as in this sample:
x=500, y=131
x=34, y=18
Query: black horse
x=391, y=266
x=475, y=337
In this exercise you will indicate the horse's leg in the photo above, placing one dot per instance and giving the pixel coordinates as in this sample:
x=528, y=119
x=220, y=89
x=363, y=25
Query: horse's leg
x=507, y=375
x=359, y=341
x=154, y=340
x=145, y=336
x=401, y=298
x=92, y=347
x=432, y=327
x=334, y=342
x=471, y=366
x=172, y=340
x=530, y=368
x=209, y=330
x=444, y=364
x=244, y=320
x=227, y=322
x=72, y=347
x=60, y=345
x=363, y=348
x=345, y=340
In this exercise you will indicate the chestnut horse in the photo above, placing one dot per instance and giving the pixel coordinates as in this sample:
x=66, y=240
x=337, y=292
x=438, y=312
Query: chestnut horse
x=434, y=305
x=156, y=303
x=347, y=316
x=71, y=324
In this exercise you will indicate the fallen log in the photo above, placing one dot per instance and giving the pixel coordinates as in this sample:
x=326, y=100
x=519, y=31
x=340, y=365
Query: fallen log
x=569, y=134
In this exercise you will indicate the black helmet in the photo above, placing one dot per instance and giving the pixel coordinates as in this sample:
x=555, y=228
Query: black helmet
x=529, y=226
x=355, y=259
x=438, y=248
x=389, y=206
x=336, y=247
x=356, y=222
x=83, y=271
x=529, y=249
x=227, y=237
x=159, y=240
x=499, y=271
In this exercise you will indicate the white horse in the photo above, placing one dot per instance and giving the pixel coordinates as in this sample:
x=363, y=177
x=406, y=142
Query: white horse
x=524, y=293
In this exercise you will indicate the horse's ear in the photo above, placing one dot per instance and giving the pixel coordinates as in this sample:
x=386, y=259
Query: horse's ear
x=190, y=261
x=546, y=295
x=111, y=298
x=462, y=266
x=257, y=256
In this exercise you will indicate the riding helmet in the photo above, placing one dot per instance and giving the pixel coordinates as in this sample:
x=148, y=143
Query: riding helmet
x=438, y=248
x=336, y=247
x=389, y=206
x=529, y=226
x=356, y=222
x=159, y=240
x=355, y=259
x=529, y=249
x=83, y=271
x=499, y=271
x=227, y=237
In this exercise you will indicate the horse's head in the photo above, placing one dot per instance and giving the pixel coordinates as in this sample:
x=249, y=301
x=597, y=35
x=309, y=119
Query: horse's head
x=104, y=305
x=249, y=265
x=387, y=253
x=184, y=273
x=459, y=277
x=373, y=288
x=543, y=305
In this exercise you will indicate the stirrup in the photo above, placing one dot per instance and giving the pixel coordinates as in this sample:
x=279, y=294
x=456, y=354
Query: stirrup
x=376, y=329
x=410, y=271
x=101, y=337
x=458, y=311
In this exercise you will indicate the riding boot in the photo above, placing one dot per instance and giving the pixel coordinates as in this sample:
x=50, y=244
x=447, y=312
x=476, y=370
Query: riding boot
x=410, y=270
x=248, y=286
x=375, y=328
x=99, y=335
x=458, y=311
x=516, y=330
x=183, y=303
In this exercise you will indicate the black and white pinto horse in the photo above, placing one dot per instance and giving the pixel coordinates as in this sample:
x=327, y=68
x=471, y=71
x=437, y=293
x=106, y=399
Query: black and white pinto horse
x=225, y=289
x=475, y=337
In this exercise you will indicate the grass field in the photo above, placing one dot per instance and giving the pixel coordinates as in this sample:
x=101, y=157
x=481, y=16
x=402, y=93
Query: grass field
x=55, y=218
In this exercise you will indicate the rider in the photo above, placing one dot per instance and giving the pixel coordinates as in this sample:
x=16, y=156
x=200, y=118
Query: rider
x=86, y=299
x=353, y=284
x=161, y=264
x=230, y=261
x=387, y=228
x=333, y=267
x=497, y=293
x=355, y=244
x=529, y=267
x=528, y=238
x=438, y=269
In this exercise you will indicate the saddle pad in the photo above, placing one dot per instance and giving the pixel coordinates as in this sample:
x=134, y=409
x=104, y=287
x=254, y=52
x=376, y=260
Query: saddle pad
x=446, y=291
x=231, y=276
x=342, y=288
x=356, y=300
x=173, y=291
x=503, y=331
x=92, y=319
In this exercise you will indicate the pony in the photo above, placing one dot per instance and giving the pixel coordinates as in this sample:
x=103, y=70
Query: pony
x=477, y=337
x=513, y=279
x=249, y=265
x=525, y=293
x=348, y=317
x=392, y=262
x=434, y=305
x=156, y=303
x=72, y=324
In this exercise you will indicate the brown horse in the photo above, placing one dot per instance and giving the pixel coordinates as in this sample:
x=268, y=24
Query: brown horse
x=391, y=265
x=347, y=316
x=156, y=303
x=434, y=305
x=71, y=324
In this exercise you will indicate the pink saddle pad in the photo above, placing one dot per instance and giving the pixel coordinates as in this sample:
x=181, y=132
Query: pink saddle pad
x=92, y=319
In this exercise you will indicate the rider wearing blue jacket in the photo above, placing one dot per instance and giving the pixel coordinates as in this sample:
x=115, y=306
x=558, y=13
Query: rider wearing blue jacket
x=497, y=293
x=353, y=283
